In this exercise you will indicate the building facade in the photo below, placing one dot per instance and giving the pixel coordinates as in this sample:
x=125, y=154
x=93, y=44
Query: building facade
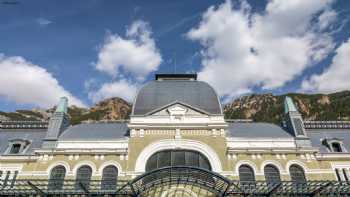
x=176, y=120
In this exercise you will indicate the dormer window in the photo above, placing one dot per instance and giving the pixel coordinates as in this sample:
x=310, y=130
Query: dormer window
x=17, y=146
x=15, y=149
x=334, y=145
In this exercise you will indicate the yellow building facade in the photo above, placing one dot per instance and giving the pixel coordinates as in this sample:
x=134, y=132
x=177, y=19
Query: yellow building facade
x=176, y=121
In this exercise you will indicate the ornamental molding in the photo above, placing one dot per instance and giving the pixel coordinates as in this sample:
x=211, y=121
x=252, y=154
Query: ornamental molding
x=59, y=163
x=248, y=163
x=168, y=144
x=83, y=163
x=110, y=163
x=276, y=164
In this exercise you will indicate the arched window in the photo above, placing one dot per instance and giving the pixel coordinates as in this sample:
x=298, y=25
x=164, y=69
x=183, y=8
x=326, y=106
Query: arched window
x=168, y=158
x=57, y=178
x=246, y=173
x=272, y=174
x=83, y=177
x=109, y=178
x=297, y=173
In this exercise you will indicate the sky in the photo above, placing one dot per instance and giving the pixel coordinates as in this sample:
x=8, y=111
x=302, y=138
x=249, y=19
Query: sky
x=89, y=50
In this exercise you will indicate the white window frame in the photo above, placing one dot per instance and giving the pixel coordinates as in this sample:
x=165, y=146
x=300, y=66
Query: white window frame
x=23, y=149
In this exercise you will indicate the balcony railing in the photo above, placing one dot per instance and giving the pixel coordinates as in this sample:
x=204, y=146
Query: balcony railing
x=149, y=183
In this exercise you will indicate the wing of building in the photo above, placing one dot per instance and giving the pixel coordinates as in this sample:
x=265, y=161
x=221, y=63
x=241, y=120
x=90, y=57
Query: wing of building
x=176, y=120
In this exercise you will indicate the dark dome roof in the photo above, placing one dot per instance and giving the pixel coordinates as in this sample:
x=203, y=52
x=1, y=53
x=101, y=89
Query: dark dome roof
x=157, y=94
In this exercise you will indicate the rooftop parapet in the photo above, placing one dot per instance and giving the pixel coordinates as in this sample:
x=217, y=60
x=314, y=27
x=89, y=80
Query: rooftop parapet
x=23, y=124
x=327, y=124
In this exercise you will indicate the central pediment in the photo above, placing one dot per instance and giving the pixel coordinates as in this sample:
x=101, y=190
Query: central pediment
x=177, y=109
x=176, y=113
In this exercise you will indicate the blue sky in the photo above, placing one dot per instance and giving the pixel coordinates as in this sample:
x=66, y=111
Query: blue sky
x=90, y=50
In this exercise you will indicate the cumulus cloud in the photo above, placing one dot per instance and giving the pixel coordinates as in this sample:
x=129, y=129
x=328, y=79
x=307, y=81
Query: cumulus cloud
x=136, y=54
x=124, y=89
x=26, y=83
x=335, y=77
x=243, y=50
x=128, y=60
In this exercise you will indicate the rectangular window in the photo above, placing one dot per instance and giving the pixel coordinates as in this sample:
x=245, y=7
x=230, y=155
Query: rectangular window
x=178, y=158
x=338, y=174
x=345, y=174
x=165, y=159
x=336, y=147
x=192, y=158
x=7, y=177
x=298, y=126
x=14, y=178
x=15, y=148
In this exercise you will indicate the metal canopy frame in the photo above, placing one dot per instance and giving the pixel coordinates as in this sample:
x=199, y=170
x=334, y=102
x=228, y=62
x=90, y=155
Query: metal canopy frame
x=212, y=182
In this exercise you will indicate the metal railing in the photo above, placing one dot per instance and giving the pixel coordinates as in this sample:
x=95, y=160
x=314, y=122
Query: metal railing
x=149, y=183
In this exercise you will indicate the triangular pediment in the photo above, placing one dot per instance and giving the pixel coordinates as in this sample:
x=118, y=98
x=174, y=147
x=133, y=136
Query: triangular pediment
x=178, y=109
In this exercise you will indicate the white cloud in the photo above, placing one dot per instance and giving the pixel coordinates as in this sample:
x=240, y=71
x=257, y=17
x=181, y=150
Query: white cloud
x=243, y=50
x=122, y=89
x=335, y=77
x=26, y=83
x=326, y=18
x=43, y=21
x=136, y=54
x=129, y=60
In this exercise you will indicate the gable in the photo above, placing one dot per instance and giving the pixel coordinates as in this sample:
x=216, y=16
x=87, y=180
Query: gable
x=178, y=109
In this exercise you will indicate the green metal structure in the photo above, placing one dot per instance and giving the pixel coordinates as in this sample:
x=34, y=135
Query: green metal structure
x=154, y=183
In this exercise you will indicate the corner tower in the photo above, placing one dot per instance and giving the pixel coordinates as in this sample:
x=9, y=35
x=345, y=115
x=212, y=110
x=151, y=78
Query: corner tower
x=295, y=124
x=57, y=124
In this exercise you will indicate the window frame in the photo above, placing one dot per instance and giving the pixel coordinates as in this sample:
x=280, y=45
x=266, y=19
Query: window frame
x=203, y=161
x=85, y=180
x=296, y=175
x=251, y=171
x=329, y=143
x=56, y=184
x=24, y=146
x=277, y=172
x=340, y=144
x=108, y=183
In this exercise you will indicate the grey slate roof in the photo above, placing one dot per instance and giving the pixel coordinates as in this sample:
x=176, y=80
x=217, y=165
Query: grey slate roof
x=35, y=136
x=95, y=131
x=256, y=130
x=157, y=94
x=317, y=135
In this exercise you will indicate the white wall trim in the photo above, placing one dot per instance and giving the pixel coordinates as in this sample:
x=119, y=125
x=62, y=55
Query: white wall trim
x=299, y=163
x=59, y=163
x=274, y=163
x=167, y=144
x=11, y=167
x=112, y=163
x=249, y=163
x=82, y=163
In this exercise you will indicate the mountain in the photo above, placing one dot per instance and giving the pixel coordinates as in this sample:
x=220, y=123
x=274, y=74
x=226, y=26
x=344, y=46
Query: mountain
x=108, y=109
x=258, y=107
x=269, y=108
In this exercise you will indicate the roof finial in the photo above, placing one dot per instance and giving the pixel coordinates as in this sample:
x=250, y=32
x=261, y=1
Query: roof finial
x=289, y=105
x=62, y=105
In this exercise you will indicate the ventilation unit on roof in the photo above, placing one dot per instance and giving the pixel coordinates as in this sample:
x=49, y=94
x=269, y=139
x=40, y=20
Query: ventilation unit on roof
x=162, y=77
